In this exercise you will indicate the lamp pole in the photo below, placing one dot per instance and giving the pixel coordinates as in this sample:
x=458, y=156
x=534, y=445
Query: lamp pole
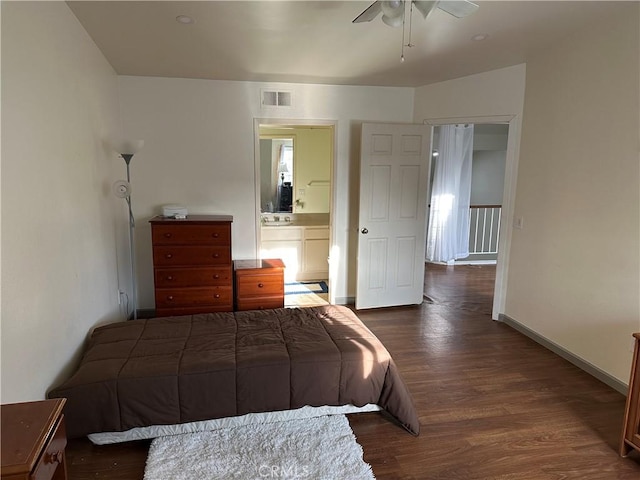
x=132, y=248
x=126, y=149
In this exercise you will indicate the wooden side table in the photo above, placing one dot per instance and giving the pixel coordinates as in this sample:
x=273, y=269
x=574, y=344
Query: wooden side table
x=631, y=425
x=33, y=441
x=259, y=284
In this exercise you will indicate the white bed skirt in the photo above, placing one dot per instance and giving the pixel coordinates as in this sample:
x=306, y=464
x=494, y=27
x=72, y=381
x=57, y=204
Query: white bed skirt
x=143, y=433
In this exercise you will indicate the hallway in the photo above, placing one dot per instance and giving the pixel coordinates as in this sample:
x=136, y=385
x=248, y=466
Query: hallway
x=466, y=287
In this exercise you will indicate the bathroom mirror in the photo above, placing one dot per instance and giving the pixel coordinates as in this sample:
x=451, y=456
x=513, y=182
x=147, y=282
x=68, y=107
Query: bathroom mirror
x=276, y=174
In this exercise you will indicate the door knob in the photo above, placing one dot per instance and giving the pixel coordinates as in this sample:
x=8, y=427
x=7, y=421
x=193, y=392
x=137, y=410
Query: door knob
x=364, y=231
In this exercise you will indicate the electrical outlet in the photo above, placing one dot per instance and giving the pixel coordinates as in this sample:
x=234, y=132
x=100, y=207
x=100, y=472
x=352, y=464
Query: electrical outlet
x=120, y=294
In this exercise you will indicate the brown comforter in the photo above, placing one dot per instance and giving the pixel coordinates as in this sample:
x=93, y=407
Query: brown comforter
x=182, y=369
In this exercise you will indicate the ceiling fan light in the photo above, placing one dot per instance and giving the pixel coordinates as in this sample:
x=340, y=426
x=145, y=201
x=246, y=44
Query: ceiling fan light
x=392, y=9
x=392, y=21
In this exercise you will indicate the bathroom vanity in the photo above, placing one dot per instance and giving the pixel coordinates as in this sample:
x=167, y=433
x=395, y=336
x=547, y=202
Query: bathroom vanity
x=302, y=245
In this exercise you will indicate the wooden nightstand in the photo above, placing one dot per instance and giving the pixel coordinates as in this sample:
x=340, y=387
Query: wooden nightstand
x=631, y=426
x=259, y=284
x=33, y=440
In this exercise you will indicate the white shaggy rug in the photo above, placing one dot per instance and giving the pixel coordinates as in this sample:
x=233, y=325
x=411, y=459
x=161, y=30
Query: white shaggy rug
x=322, y=448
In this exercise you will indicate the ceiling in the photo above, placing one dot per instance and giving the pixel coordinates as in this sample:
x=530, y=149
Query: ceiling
x=315, y=41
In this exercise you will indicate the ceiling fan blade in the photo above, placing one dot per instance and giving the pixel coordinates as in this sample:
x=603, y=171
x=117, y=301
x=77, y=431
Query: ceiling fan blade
x=458, y=8
x=425, y=7
x=370, y=13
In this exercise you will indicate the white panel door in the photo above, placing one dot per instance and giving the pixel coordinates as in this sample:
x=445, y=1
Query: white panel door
x=394, y=168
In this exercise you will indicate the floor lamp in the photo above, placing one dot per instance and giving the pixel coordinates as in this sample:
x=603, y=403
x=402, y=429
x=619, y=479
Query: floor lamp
x=126, y=149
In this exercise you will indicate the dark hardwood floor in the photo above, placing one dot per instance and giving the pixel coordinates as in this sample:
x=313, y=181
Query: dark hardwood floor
x=492, y=403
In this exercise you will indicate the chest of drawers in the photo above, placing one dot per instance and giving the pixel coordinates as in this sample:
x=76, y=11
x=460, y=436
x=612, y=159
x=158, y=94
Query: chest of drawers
x=192, y=265
x=34, y=441
x=259, y=284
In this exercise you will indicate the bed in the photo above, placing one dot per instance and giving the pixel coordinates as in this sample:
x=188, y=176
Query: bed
x=180, y=370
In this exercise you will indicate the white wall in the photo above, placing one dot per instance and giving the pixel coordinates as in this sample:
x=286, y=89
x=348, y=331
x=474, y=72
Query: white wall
x=574, y=267
x=487, y=177
x=498, y=92
x=199, y=151
x=59, y=274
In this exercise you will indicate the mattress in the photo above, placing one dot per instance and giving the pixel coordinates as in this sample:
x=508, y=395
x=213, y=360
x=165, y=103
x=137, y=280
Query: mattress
x=178, y=370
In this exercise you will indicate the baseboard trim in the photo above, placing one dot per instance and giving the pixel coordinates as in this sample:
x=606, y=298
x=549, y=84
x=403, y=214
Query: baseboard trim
x=345, y=300
x=476, y=262
x=582, y=364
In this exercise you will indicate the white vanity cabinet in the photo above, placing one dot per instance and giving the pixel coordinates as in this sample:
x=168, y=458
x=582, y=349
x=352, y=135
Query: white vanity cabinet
x=303, y=249
x=315, y=253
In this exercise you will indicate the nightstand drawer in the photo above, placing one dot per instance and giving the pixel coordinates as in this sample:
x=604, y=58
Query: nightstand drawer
x=192, y=297
x=192, y=277
x=33, y=440
x=260, y=303
x=53, y=456
x=191, y=235
x=260, y=285
x=185, y=256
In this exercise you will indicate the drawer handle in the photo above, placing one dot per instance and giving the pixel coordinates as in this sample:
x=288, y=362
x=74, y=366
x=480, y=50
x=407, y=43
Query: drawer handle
x=168, y=255
x=215, y=255
x=217, y=295
x=56, y=457
x=169, y=278
x=216, y=276
x=170, y=298
x=215, y=235
x=167, y=235
x=260, y=285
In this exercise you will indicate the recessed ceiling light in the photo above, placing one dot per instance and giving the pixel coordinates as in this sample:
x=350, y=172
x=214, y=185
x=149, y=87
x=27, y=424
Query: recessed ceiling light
x=479, y=37
x=184, y=19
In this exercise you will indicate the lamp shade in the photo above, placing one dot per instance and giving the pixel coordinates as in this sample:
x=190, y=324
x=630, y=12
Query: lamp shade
x=282, y=168
x=127, y=146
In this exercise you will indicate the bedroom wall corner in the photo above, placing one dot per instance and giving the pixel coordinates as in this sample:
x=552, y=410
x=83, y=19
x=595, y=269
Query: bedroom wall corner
x=574, y=265
x=59, y=218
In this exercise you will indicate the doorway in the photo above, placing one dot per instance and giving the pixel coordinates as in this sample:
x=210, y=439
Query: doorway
x=294, y=165
x=471, y=233
x=508, y=197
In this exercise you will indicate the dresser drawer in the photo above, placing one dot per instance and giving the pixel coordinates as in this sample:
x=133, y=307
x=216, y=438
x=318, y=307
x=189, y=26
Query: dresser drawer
x=180, y=311
x=53, y=456
x=192, y=277
x=183, y=256
x=191, y=297
x=191, y=234
x=260, y=285
x=260, y=303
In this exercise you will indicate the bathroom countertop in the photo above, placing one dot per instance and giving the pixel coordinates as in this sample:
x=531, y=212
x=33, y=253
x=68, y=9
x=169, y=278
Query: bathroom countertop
x=295, y=223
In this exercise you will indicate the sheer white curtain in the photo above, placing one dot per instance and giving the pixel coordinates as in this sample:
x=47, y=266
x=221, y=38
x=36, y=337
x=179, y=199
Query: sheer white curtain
x=448, y=232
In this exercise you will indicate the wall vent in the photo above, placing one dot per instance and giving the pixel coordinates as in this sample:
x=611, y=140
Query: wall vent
x=272, y=98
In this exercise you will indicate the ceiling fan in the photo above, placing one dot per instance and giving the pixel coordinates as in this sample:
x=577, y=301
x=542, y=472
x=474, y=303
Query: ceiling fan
x=393, y=11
